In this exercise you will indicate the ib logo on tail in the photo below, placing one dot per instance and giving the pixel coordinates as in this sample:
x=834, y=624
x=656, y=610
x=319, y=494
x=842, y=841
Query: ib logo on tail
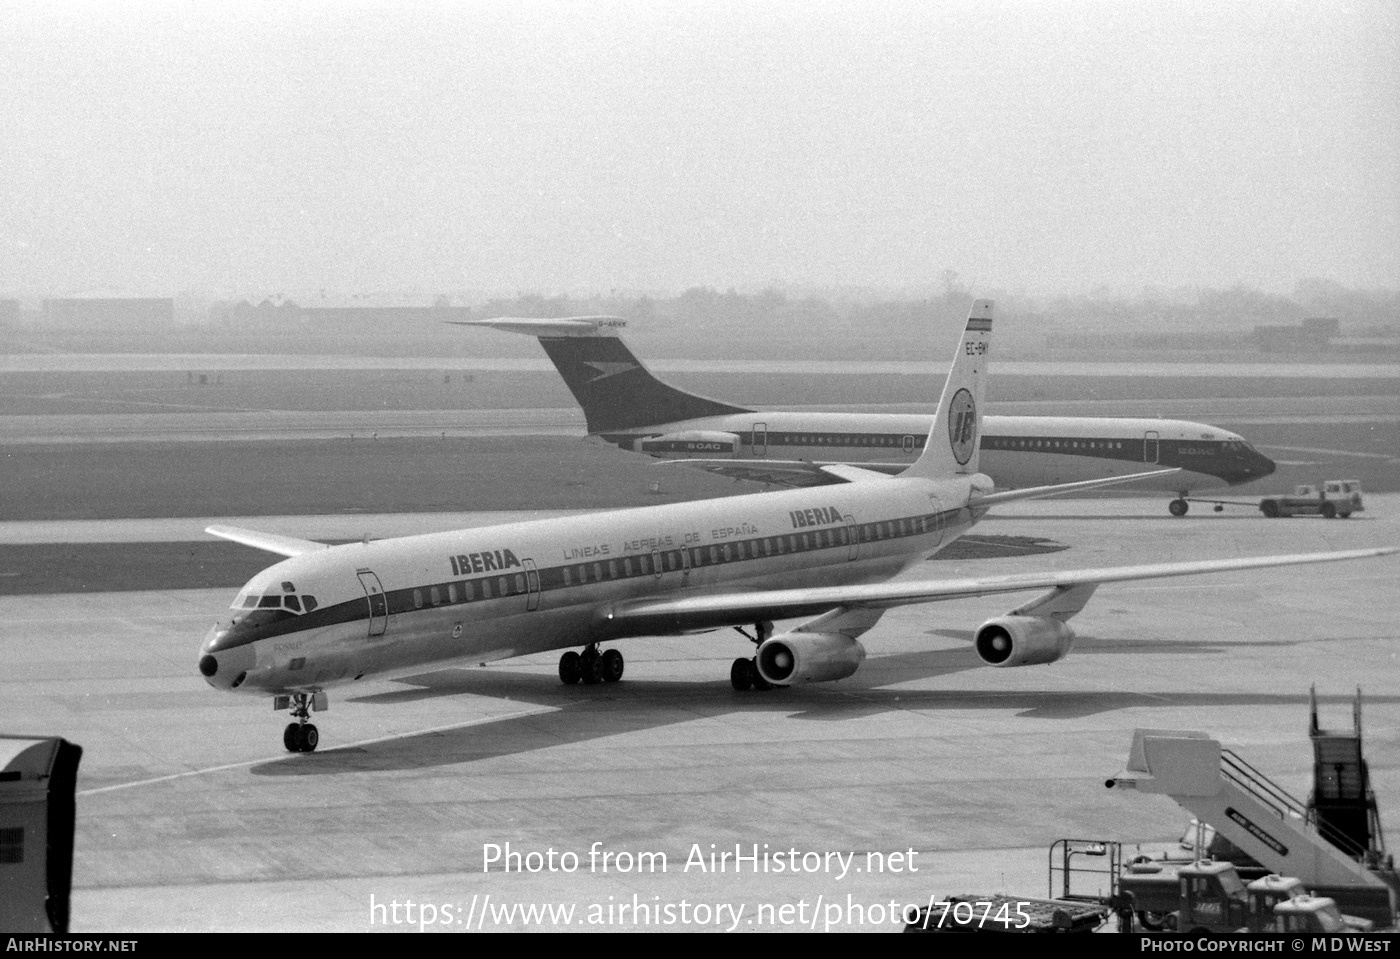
x=960, y=404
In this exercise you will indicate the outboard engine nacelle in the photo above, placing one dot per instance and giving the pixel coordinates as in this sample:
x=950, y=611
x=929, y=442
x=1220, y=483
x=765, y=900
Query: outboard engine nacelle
x=1023, y=641
x=808, y=658
x=690, y=443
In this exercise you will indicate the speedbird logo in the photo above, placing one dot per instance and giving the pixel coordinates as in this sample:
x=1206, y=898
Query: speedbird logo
x=608, y=369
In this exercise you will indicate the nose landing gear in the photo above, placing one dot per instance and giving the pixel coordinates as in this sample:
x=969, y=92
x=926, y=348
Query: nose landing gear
x=301, y=736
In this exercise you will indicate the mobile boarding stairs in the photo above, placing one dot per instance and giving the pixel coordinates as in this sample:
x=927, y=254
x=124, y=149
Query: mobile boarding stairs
x=1333, y=843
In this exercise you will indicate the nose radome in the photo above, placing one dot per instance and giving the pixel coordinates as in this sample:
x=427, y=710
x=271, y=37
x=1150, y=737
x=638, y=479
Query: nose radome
x=1266, y=465
x=223, y=668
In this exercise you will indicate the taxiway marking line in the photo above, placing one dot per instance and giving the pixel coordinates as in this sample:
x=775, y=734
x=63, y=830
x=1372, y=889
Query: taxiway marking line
x=363, y=742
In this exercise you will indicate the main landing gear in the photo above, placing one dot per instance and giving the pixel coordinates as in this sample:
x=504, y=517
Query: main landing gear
x=301, y=736
x=743, y=673
x=591, y=667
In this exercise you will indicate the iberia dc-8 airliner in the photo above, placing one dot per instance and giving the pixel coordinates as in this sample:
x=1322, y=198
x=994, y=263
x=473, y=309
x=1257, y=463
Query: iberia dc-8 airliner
x=332, y=615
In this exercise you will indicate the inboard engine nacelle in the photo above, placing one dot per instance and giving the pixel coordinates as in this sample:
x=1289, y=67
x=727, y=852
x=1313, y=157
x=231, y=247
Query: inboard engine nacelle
x=808, y=658
x=1023, y=641
x=691, y=443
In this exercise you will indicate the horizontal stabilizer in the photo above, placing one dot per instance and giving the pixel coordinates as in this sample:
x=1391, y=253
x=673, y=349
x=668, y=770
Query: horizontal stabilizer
x=282, y=545
x=570, y=326
x=848, y=473
x=797, y=474
x=1038, y=492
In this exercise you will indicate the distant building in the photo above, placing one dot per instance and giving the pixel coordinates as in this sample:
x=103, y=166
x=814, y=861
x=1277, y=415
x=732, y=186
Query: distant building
x=117, y=315
x=1311, y=336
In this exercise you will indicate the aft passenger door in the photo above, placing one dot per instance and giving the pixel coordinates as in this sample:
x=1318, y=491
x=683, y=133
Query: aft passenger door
x=935, y=524
x=1150, y=447
x=759, y=446
x=852, y=537
x=378, y=603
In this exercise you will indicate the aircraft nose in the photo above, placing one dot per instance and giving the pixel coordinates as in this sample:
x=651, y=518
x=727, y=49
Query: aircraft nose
x=223, y=668
x=1263, y=465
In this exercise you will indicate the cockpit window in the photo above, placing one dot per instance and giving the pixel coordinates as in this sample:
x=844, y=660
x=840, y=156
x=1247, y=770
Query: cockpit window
x=292, y=603
x=249, y=602
x=271, y=601
x=309, y=602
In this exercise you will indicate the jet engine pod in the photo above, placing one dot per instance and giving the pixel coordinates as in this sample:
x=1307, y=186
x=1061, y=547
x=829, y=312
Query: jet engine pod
x=691, y=443
x=809, y=658
x=1023, y=641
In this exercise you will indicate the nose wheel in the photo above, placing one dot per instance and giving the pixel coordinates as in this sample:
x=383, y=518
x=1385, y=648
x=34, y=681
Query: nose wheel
x=301, y=736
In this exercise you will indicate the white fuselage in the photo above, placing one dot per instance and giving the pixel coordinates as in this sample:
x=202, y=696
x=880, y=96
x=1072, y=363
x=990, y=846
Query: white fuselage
x=1017, y=451
x=501, y=591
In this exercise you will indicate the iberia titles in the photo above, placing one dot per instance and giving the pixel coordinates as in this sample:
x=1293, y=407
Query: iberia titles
x=816, y=516
x=489, y=561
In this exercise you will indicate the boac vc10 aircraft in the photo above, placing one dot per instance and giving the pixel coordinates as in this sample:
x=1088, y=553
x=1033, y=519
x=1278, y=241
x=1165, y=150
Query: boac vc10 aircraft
x=625, y=404
x=330, y=615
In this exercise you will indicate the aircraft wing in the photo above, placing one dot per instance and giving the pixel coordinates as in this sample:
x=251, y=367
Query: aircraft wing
x=791, y=473
x=641, y=616
x=282, y=545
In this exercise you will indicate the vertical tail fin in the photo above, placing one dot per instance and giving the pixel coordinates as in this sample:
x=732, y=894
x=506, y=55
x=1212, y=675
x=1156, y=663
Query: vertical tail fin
x=954, y=439
x=615, y=389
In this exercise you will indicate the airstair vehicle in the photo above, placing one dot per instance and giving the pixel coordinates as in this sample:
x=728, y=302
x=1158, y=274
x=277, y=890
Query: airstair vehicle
x=1333, y=843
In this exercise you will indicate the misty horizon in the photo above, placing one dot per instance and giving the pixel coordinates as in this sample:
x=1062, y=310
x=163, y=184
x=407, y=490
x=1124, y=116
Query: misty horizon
x=1042, y=150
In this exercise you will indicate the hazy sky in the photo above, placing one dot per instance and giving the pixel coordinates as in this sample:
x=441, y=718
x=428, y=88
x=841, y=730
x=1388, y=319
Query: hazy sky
x=577, y=147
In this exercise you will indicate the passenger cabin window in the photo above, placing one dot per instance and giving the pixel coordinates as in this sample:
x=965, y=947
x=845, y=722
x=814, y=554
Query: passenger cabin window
x=485, y=589
x=417, y=599
x=520, y=582
x=434, y=596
